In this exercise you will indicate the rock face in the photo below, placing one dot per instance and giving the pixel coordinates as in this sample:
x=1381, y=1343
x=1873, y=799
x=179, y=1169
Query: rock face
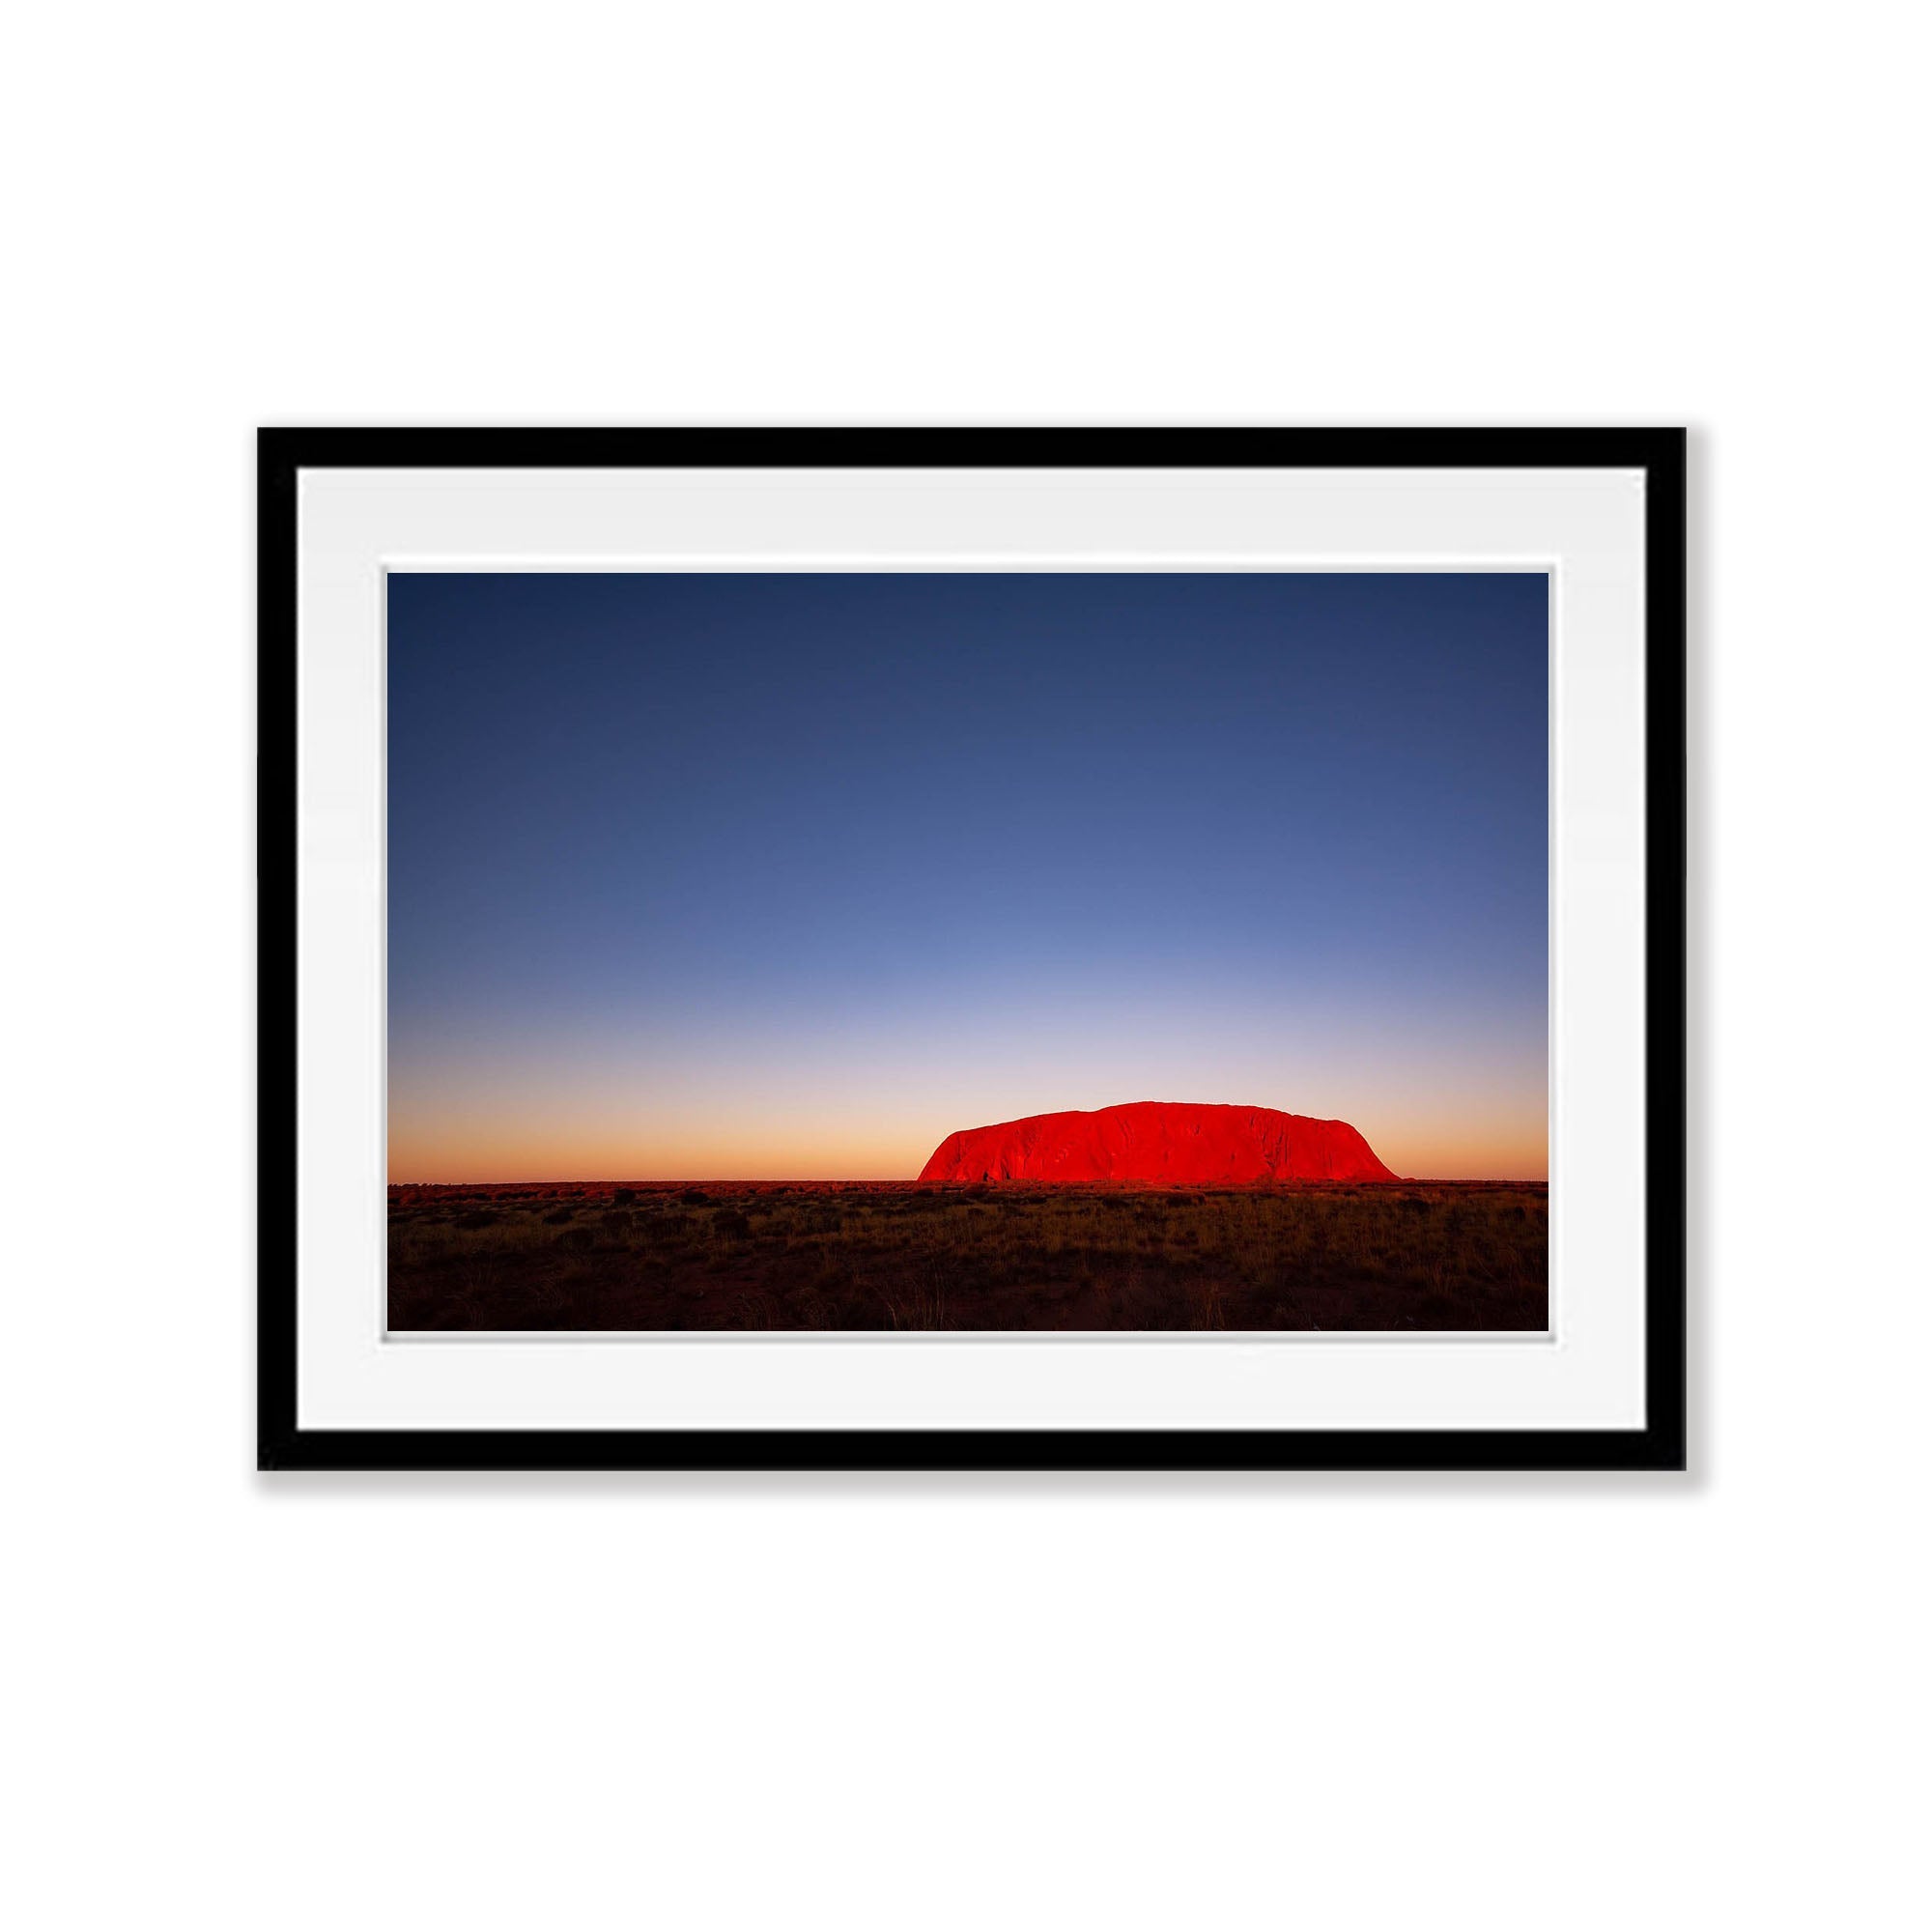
x=1172, y=1141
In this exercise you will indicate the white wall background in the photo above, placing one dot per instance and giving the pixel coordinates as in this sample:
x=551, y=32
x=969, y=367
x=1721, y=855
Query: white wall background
x=1339, y=1703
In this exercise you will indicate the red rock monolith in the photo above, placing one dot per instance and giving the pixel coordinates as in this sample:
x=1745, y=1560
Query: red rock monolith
x=1173, y=1143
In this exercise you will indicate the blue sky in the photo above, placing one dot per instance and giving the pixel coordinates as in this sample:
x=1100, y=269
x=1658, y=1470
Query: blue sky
x=790, y=876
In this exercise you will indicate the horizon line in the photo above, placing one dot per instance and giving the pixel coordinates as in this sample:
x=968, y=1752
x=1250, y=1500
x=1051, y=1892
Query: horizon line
x=914, y=1180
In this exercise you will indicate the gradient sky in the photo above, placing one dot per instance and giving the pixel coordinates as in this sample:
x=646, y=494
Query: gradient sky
x=753, y=877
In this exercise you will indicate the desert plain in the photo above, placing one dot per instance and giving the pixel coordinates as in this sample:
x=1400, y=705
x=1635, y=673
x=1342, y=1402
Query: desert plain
x=879, y=1256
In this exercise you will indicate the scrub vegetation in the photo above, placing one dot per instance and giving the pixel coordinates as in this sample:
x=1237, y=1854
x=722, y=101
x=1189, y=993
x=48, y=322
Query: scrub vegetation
x=863, y=1256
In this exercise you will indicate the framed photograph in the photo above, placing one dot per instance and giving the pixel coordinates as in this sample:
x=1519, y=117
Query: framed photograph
x=972, y=949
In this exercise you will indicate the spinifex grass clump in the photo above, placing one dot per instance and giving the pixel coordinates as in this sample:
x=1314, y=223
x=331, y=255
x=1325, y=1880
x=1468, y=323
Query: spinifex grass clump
x=1397, y=1256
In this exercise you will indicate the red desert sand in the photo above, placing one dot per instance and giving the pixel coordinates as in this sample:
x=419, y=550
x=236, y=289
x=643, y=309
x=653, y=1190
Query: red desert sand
x=1174, y=1142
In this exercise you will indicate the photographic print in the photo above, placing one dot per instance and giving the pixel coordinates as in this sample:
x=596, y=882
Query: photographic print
x=1097, y=952
x=908, y=948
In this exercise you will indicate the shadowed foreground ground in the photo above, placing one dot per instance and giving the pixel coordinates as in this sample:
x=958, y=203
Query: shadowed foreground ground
x=879, y=1256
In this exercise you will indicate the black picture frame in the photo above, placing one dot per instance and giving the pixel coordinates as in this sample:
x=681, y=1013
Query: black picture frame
x=1659, y=1444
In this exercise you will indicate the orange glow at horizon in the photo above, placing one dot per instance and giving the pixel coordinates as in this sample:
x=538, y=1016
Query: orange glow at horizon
x=471, y=1151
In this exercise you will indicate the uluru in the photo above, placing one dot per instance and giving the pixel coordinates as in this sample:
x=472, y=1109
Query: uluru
x=1174, y=1143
